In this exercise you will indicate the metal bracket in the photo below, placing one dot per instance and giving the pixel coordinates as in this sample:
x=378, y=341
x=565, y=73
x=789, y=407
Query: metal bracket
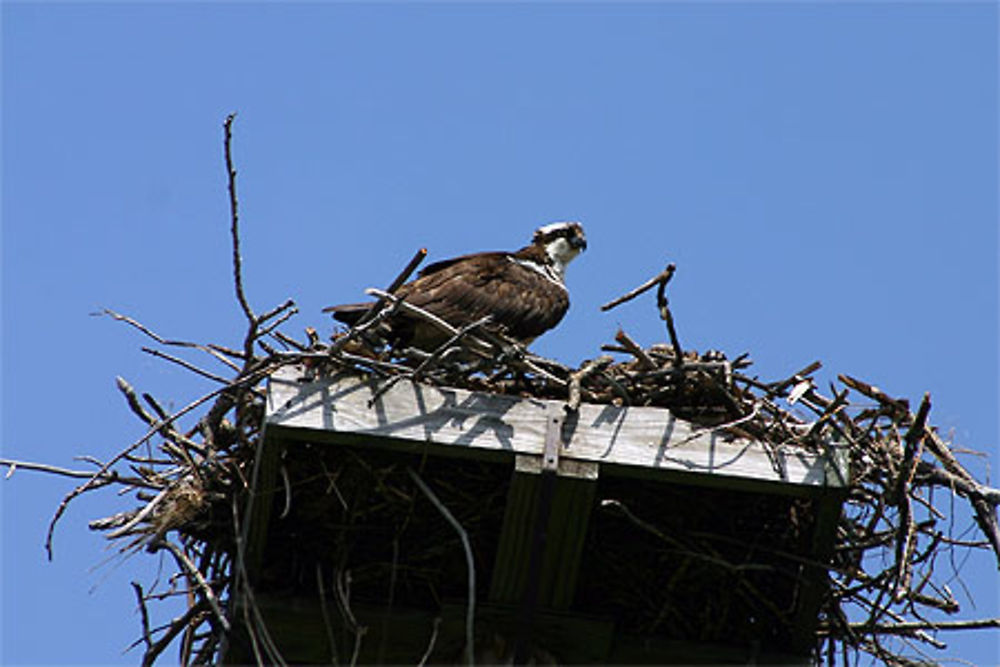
x=553, y=439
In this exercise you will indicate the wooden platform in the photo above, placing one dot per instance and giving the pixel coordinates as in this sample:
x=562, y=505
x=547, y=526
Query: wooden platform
x=635, y=439
x=544, y=580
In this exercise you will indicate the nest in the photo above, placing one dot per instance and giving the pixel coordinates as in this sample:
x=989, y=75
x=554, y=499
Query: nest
x=371, y=541
x=364, y=511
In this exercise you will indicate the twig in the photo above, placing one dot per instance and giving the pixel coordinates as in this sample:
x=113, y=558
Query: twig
x=228, y=351
x=101, y=475
x=661, y=278
x=471, y=608
x=168, y=432
x=667, y=316
x=414, y=310
x=133, y=401
x=107, y=477
x=360, y=328
x=911, y=454
x=644, y=361
x=140, y=515
x=291, y=342
x=906, y=628
x=185, y=564
x=795, y=378
x=576, y=379
x=393, y=286
x=430, y=644
x=431, y=359
x=515, y=354
x=288, y=305
x=234, y=219
x=211, y=349
x=284, y=317
x=326, y=614
x=694, y=435
x=176, y=627
x=185, y=364
x=288, y=492
x=144, y=613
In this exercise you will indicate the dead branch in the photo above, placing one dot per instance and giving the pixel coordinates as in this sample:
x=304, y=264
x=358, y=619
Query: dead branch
x=176, y=626
x=908, y=628
x=185, y=364
x=667, y=316
x=577, y=378
x=327, y=625
x=210, y=349
x=234, y=228
x=633, y=348
x=108, y=477
x=470, y=613
x=144, y=612
x=431, y=642
x=661, y=278
x=411, y=266
x=197, y=577
x=100, y=477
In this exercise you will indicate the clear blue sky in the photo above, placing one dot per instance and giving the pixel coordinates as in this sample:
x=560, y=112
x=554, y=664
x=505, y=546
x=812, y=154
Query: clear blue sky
x=824, y=175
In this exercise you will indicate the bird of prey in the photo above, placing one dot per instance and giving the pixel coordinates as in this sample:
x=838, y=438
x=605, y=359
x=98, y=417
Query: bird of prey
x=524, y=291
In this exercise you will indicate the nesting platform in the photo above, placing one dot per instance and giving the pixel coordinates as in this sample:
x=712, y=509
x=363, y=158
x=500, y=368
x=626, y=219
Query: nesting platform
x=606, y=534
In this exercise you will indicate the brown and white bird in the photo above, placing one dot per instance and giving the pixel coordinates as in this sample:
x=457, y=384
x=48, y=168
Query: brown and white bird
x=524, y=291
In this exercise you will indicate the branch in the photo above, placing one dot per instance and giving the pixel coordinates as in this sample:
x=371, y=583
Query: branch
x=577, y=377
x=904, y=540
x=433, y=358
x=144, y=613
x=211, y=348
x=235, y=219
x=176, y=627
x=662, y=277
x=108, y=477
x=908, y=628
x=471, y=609
x=393, y=286
x=626, y=341
x=185, y=364
x=430, y=644
x=103, y=476
x=667, y=316
x=185, y=564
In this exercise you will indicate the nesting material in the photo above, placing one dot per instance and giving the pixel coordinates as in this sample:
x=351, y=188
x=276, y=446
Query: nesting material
x=192, y=483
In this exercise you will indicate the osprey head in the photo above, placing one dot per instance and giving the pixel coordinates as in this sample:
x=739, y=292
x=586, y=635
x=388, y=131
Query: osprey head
x=561, y=241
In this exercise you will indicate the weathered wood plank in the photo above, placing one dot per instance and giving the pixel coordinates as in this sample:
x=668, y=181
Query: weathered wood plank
x=651, y=438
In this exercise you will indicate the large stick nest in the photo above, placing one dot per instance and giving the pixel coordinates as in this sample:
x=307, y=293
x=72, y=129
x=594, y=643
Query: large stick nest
x=894, y=536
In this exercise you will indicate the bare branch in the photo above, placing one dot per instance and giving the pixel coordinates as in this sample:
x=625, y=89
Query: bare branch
x=211, y=349
x=644, y=361
x=197, y=577
x=108, y=477
x=393, y=286
x=184, y=364
x=470, y=613
x=662, y=277
x=141, y=600
x=235, y=221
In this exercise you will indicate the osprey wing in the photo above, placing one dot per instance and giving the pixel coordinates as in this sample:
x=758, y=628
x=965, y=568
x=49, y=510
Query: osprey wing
x=518, y=293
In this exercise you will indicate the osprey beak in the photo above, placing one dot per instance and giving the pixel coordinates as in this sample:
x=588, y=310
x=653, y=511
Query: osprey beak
x=579, y=243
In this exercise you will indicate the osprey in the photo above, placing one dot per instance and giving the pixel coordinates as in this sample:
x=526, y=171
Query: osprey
x=524, y=291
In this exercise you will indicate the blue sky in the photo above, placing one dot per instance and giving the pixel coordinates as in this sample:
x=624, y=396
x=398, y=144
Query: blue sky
x=824, y=176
